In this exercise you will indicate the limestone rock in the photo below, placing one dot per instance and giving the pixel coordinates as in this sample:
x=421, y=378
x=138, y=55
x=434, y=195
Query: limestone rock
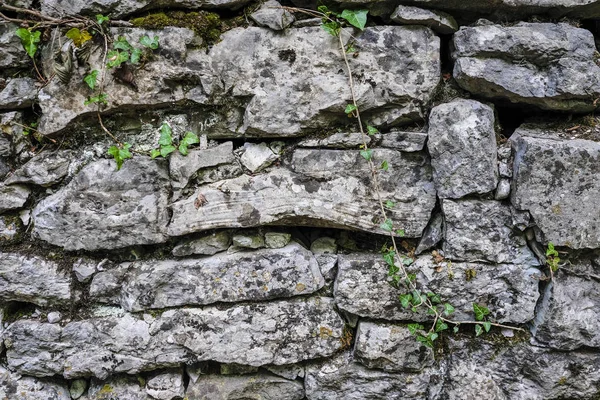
x=13, y=197
x=15, y=387
x=206, y=245
x=439, y=21
x=102, y=208
x=257, y=386
x=277, y=240
x=257, y=156
x=182, y=168
x=432, y=235
x=259, y=275
x=503, y=190
x=342, y=140
x=483, y=230
x=32, y=279
x=509, y=291
x=84, y=269
x=248, y=240
x=10, y=229
x=404, y=141
x=321, y=187
x=54, y=317
x=12, y=54
x=45, y=169
x=566, y=317
x=271, y=15
x=546, y=65
x=166, y=385
x=342, y=378
x=78, y=388
x=120, y=387
x=281, y=332
x=556, y=181
x=390, y=348
x=17, y=93
x=462, y=144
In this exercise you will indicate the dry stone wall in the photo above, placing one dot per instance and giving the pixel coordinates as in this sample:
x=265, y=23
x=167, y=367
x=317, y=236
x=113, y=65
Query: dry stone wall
x=250, y=268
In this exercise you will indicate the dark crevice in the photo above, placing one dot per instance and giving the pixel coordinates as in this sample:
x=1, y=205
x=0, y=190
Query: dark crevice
x=510, y=118
x=446, y=54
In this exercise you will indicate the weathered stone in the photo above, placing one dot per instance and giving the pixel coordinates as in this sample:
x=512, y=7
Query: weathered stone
x=503, y=190
x=483, y=230
x=437, y=20
x=15, y=387
x=271, y=15
x=432, y=235
x=10, y=229
x=404, y=141
x=77, y=388
x=257, y=156
x=302, y=90
x=518, y=371
x=84, y=269
x=182, y=168
x=324, y=187
x=206, y=245
x=390, y=348
x=106, y=285
x=17, y=93
x=166, y=385
x=13, y=197
x=259, y=386
x=32, y=279
x=259, y=275
x=509, y=291
x=325, y=250
x=102, y=208
x=566, y=317
x=54, y=317
x=546, y=65
x=277, y=240
x=342, y=378
x=123, y=387
x=45, y=169
x=462, y=144
x=281, y=332
x=12, y=54
x=292, y=372
x=237, y=369
x=556, y=180
x=248, y=240
x=341, y=140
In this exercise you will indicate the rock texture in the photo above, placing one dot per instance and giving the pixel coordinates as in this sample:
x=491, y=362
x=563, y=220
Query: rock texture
x=13, y=197
x=440, y=22
x=255, y=386
x=45, y=169
x=12, y=386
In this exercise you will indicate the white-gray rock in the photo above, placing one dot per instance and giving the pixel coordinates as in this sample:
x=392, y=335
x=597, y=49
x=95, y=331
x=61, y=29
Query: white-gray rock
x=258, y=275
x=102, y=208
x=556, y=180
x=32, y=279
x=257, y=386
x=281, y=332
x=462, y=144
x=439, y=21
x=54, y=317
x=277, y=240
x=510, y=291
x=342, y=140
x=15, y=387
x=248, y=240
x=324, y=187
x=10, y=229
x=17, y=93
x=257, y=156
x=84, y=269
x=432, y=235
x=167, y=385
x=390, y=348
x=484, y=230
x=118, y=387
x=77, y=388
x=45, y=169
x=205, y=245
x=404, y=140
x=12, y=53
x=503, y=190
x=271, y=15
x=13, y=197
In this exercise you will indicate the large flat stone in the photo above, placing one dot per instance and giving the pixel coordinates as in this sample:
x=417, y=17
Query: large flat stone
x=45, y=169
x=509, y=291
x=255, y=386
x=17, y=93
x=556, y=180
x=16, y=387
x=13, y=197
x=102, y=208
x=550, y=66
x=12, y=54
x=320, y=188
x=282, y=332
x=255, y=276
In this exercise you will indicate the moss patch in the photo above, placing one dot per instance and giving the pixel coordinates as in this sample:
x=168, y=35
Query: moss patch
x=203, y=23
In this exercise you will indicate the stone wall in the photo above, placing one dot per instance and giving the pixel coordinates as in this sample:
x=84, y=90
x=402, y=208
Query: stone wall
x=250, y=267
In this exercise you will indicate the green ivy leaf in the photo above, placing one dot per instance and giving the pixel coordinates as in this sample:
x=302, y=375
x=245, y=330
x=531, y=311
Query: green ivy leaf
x=166, y=150
x=448, y=309
x=440, y=326
x=136, y=54
x=456, y=328
x=150, y=43
x=166, y=138
x=29, y=40
x=120, y=154
x=350, y=108
x=480, y=312
x=323, y=9
x=413, y=328
x=434, y=298
x=101, y=19
x=155, y=153
x=550, y=251
x=91, y=79
x=478, y=330
x=387, y=226
x=122, y=44
x=384, y=165
x=116, y=58
x=390, y=204
x=357, y=18
x=78, y=37
x=405, y=300
x=400, y=232
x=367, y=154
x=487, y=326
x=188, y=139
x=331, y=27
x=101, y=98
x=389, y=257
x=371, y=130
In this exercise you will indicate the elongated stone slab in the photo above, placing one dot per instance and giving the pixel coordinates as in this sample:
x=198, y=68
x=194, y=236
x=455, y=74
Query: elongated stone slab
x=509, y=291
x=256, y=386
x=319, y=188
x=282, y=332
x=246, y=276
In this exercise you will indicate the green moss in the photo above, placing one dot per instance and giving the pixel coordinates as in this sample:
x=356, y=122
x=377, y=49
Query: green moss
x=203, y=23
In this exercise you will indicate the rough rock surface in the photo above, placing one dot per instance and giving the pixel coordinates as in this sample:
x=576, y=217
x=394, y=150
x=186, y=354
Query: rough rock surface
x=13, y=197
x=322, y=187
x=10, y=229
x=390, y=348
x=432, y=235
x=484, y=230
x=121, y=387
x=462, y=144
x=256, y=386
x=271, y=15
x=182, y=168
x=17, y=93
x=342, y=140
x=258, y=275
x=556, y=181
x=440, y=22
x=546, y=65
x=102, y=208
x=206, y=245
x=45, y=169
x=15, y=387
x=104, y=346
x=404, y=141
x=257, y=156
x=510, y=291
x=166, y=385
x=11, y=50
